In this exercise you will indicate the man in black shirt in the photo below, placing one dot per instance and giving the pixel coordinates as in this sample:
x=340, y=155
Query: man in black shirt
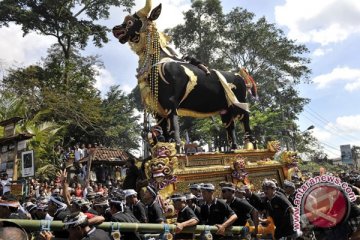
x=117, y=210
x=289, y=188
x=132, y=173
x=195, y=189
x=101, y=206
x=58, y=209
x=154, y=211
x=10, y=208
x=78, y=227
x=280, y=209
x=136, y=206
x=185, y=217
x=241, y=207
x=191, y=202
x=278, y=189
x=253, y=198
x=216, y=212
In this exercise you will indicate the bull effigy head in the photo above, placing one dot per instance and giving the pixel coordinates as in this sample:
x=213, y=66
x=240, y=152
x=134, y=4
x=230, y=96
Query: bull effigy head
x=133, y=25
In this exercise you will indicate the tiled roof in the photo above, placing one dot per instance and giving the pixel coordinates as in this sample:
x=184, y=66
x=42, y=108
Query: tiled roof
x=109, y=154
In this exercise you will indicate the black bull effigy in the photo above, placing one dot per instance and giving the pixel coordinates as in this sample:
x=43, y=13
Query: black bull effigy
x=171, y=87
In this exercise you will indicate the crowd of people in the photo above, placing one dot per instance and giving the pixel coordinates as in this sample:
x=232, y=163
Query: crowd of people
x=82, y=207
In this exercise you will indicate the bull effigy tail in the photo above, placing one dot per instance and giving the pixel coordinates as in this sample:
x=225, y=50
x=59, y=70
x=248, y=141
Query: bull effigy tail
x=249, y=81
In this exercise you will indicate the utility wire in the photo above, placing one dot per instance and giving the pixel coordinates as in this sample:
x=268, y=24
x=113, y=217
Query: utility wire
x=330, y=130
x=330, y=148
x=327, y=146
x=325, y=121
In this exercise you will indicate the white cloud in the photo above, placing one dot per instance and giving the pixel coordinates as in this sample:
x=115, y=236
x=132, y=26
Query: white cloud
x=16, y=49
x=103, y=80
x=321, y=51
x=171, y=11
x=320, y=21
x=321, y=135
x=126, y=88
x=350, y=76
x=344, y=130
x=349, y=124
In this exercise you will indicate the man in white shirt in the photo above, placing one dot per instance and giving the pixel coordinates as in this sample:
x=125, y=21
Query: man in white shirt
x=78, y=153
x=5, y=182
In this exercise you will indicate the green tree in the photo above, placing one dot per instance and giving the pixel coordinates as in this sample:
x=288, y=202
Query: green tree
x=44, y=141
x=276, y=63
x=119, y=125
x=76, y=106
x=72, y=23
x=200, y=34
x=11, y=106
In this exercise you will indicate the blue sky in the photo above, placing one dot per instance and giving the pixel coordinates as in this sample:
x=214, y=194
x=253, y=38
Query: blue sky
x=329, y=28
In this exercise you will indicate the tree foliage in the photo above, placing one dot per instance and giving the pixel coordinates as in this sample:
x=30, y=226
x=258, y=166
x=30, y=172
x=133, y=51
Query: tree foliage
x=60, y=88
x=43, y=142
x=72, y=23
x=41, y=90
x=119, y=122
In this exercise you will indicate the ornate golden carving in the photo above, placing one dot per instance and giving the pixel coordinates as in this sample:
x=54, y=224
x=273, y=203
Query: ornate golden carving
x=161, y=168
x=274, y=146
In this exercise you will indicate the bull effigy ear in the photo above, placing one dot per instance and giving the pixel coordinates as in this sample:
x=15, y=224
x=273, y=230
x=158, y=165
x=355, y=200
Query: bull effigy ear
x=155, y=13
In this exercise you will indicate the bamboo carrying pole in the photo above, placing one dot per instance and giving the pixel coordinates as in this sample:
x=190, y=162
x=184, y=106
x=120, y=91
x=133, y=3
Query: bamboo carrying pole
x=38, y=225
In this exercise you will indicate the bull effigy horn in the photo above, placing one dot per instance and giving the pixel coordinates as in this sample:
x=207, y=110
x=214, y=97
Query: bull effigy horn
x=145, y=10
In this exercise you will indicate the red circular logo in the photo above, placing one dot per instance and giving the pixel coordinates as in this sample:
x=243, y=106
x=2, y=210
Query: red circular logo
x=325, y=205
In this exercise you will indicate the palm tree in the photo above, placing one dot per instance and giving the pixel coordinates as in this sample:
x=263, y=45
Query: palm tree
x=43, y=143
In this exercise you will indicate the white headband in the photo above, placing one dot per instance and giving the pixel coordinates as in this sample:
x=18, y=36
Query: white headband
x=61, y=206
x=229, y=188
x=121, y=203
x=181, y=198
x=212, y=188
x=80, y=220
x=115, y=201
x=9, y=204
x=151, y=190
x=106, y=202
x=130, y=192
x=31, y=208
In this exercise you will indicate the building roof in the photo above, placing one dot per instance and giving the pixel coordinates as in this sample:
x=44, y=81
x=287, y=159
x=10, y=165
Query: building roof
x=108, y=155
x=10, y=120
x=18, y=137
